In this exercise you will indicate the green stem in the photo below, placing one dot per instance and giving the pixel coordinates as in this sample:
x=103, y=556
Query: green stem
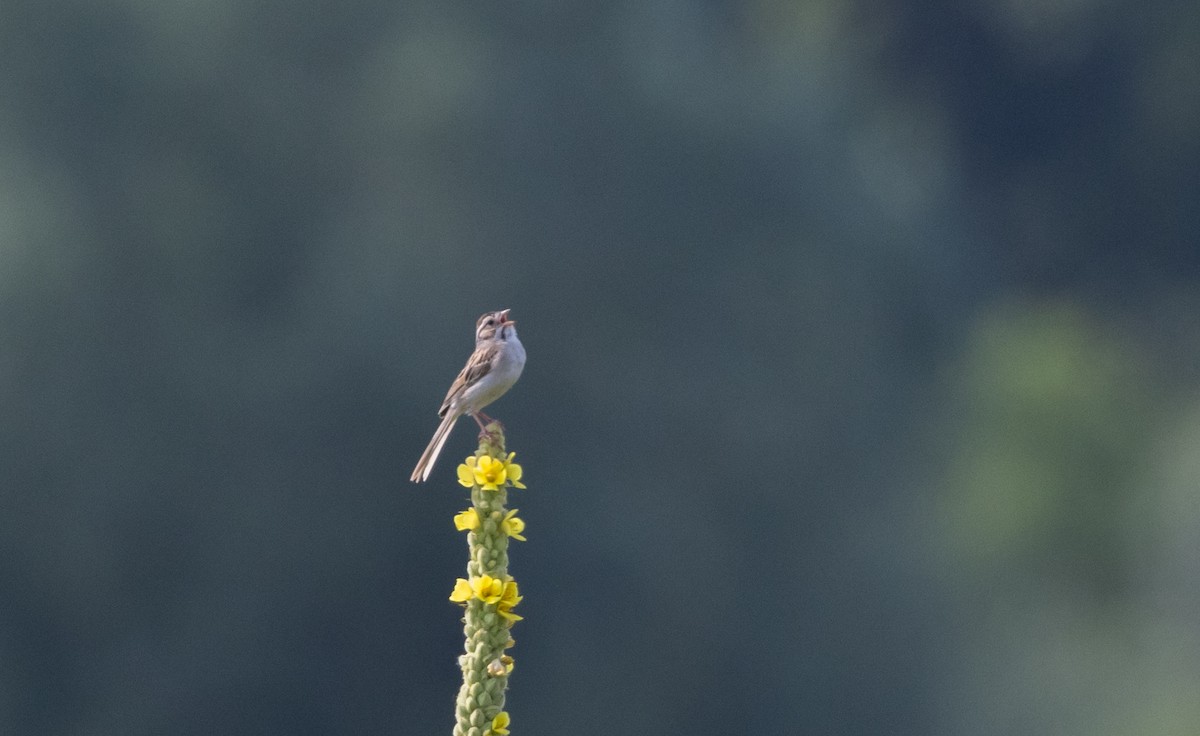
x=485, y=678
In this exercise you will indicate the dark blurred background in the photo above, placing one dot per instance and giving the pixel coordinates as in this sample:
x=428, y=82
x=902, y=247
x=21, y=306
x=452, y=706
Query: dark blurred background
x=862, y=393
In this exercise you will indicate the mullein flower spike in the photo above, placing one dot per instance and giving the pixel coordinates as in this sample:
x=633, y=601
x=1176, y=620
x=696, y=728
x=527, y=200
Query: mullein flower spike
x=488, y=593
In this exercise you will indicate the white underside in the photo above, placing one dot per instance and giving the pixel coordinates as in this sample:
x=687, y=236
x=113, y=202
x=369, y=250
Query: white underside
x=497, y=382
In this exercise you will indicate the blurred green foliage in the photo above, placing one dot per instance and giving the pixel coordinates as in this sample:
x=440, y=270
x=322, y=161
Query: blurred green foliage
x=1051, y=420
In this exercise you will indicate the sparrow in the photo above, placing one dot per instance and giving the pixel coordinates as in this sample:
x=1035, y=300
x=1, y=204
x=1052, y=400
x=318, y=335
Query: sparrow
x=491, y=370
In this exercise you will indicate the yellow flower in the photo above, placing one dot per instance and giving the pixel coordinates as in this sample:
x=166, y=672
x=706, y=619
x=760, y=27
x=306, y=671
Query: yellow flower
x=467, y=521
x=466, y=473
x=493, y=591
x=500, y=724
x=510, y=596
x=490, y=473
x=513, y=471
x=487, y=588
x=462, y=591
x=511, y=524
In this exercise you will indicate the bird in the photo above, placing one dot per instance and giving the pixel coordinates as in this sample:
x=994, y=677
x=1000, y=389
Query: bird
x=491, y=371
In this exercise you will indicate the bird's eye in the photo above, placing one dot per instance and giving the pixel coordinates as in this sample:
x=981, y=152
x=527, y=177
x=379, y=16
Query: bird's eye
x=490, y=322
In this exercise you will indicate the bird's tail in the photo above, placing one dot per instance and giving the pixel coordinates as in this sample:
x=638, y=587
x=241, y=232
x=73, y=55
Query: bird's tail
x=430, y=456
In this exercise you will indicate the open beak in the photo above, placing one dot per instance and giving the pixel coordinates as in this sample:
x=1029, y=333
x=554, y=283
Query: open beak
x=504, y=320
